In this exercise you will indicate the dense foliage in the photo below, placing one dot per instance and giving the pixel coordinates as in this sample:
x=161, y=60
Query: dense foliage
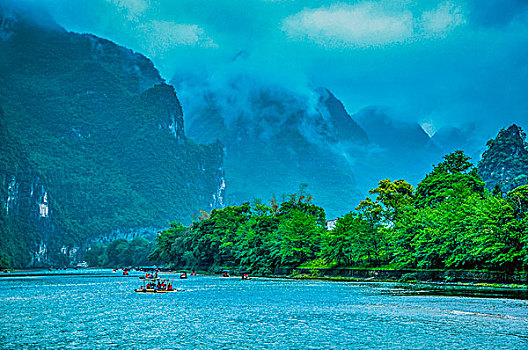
x=257, y=237
x=92, y=125
x=448, y=222
x=120, y=253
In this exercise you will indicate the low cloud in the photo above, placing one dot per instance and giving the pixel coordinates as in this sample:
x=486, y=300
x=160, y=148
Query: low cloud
x=133, y=9
x=440, y=21
x=163, y=36
x=370, y=24
x=441, y=63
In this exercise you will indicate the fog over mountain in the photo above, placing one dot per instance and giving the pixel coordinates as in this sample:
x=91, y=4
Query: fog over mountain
x=441, y=63
x=454, y=69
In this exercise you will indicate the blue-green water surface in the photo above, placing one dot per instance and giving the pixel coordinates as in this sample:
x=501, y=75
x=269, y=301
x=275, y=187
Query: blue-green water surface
x=99, y=310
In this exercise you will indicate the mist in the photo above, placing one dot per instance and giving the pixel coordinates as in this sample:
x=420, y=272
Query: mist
x=458, y=69
x=440, y=63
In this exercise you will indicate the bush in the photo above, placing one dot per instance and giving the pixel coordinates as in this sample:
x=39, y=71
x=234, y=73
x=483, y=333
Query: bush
x=4, y=262
x=408, y=277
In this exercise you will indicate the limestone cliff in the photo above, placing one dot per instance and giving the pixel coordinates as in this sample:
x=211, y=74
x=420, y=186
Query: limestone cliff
x=505, y=161
x=92, y=144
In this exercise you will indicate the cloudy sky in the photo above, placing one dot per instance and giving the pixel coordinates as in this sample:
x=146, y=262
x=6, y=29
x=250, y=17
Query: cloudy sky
x=438, y=62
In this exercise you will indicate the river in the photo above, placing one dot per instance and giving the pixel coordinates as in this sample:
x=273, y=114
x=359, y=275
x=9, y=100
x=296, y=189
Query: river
x=98, y=309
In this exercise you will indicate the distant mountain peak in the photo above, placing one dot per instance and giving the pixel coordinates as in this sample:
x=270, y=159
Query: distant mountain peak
x=389, y=132
x=92, y=144
x=15, y=16
x=333, y=110
x=505, y=162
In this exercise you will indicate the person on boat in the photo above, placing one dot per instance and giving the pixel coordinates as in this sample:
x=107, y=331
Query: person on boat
x=169, y=287
x=245, y=276
x=225, y=274
x=183, y=275
x=193, y=273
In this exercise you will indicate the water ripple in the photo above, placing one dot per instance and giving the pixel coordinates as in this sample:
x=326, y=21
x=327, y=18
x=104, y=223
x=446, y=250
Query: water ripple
x=98, y=312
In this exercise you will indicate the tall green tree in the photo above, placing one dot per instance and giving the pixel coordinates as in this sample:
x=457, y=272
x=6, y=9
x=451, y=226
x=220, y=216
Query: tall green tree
x=256, y=247
x=391, y=198
x=518, y=197
x=354, y=242
x=454, y=177
x=171, y=244
x=300, y=236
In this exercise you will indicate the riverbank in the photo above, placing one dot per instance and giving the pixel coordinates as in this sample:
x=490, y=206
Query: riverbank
x=407, y=284
x=473, y=277
x=480, y=290
x=408, y=275
x=469, y=283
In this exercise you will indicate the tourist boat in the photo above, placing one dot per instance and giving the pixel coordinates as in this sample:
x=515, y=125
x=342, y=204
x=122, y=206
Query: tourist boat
x=155, y=284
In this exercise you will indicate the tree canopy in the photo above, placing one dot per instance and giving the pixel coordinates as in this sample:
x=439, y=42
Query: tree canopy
x=448, y=222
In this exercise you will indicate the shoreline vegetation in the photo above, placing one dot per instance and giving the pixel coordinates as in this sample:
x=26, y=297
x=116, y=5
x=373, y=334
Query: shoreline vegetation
x=449, y=228
x=449, y=222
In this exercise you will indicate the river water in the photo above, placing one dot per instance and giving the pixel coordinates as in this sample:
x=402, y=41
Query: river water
x=98, y=309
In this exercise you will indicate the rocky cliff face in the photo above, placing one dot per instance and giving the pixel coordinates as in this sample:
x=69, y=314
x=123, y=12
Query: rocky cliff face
x=398, y=149
x=92, y=144
x=505, y=161
x=276, y=139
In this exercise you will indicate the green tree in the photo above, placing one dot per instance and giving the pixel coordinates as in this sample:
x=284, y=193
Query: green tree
x=137, y=253
x=4, y=261
x=300, y=236
x=461, y=233
x=518, y=197
x=454, y=177
x=171, y=245
x=256, y=248
x=212, y=239
x=391, y=198
x=115, y=251
x=354, y=242
x=95, y=255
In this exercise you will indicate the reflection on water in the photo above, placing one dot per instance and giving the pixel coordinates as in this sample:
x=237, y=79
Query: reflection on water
x=98, y=312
